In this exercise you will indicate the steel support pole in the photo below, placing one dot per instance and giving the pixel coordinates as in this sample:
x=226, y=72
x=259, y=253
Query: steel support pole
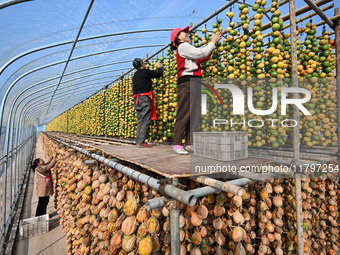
x=174, y=232
x=225, y=186
x=10, y=184
x=201, y=192
x=337, y=54
x=17, y=172
x=174, y=228
x=4, y=202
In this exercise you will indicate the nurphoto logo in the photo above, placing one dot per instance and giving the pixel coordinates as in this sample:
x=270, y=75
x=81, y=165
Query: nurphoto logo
x=238, y=100
x=238, y=105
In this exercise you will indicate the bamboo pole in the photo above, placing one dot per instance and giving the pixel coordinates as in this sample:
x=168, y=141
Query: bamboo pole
x=319, y=12
x=334, y=18
x=287, y=17
x=303, y=19
x=297, y=12
x=337, y=50
x=310, y=15
x=296, y=140
x=190, y=37
x=296, y=144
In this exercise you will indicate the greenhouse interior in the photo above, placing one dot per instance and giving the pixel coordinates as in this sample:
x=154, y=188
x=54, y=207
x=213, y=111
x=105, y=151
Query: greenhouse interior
x=170, y=127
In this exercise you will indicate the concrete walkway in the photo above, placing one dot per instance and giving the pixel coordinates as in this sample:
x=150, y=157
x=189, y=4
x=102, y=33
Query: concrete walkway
x=51, y=243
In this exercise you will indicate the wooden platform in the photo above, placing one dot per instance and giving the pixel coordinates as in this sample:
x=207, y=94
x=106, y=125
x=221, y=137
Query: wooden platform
x=161, y=160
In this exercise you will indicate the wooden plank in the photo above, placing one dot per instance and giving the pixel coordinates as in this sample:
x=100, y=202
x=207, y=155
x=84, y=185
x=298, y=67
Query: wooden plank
x=161, y=160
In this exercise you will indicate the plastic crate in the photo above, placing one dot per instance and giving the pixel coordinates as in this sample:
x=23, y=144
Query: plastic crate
x=34, y=226
x=223, y=146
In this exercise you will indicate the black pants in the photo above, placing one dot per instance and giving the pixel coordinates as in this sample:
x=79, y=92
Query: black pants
x=143, y=109
x=42, y=206
x=188, y=112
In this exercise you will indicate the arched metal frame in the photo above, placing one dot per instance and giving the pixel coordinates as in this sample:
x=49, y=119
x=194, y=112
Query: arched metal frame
x=51, y=86
x=27, y=119
x=38, y=49
x=37, y=96
x=2, y=106
x=20, y=119
x=12, y=2
x=24, y=120
x=56, y=77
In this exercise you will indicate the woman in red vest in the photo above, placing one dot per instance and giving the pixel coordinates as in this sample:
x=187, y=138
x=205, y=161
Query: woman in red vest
x=189, y=72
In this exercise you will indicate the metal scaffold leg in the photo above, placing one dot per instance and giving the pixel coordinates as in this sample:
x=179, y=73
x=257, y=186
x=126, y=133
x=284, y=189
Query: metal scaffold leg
x=296, y=142
x=174, y=224
x=174, y=232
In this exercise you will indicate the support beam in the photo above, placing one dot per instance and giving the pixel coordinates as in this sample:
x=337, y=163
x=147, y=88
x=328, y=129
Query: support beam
x=190, y=37
x=310, y=15
x=225, y=186
x=12, y=2
x=334, y=18
x=201, y=192
x=155, y=203
x=295, y=81
x=318, y=11
x=337, y=48
x=303, y=19
x=175, y=232
x=296, y=141
x=297, y=13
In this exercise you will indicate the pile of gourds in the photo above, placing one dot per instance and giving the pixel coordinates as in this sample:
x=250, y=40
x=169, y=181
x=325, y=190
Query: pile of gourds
x=103, y=211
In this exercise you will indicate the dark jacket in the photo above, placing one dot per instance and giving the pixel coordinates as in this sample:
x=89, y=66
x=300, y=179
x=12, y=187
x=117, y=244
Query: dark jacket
x=142, y=80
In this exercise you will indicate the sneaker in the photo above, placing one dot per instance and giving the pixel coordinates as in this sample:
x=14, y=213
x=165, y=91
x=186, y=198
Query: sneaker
x=189, y=148
x=143, y=145
x=178, y=149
